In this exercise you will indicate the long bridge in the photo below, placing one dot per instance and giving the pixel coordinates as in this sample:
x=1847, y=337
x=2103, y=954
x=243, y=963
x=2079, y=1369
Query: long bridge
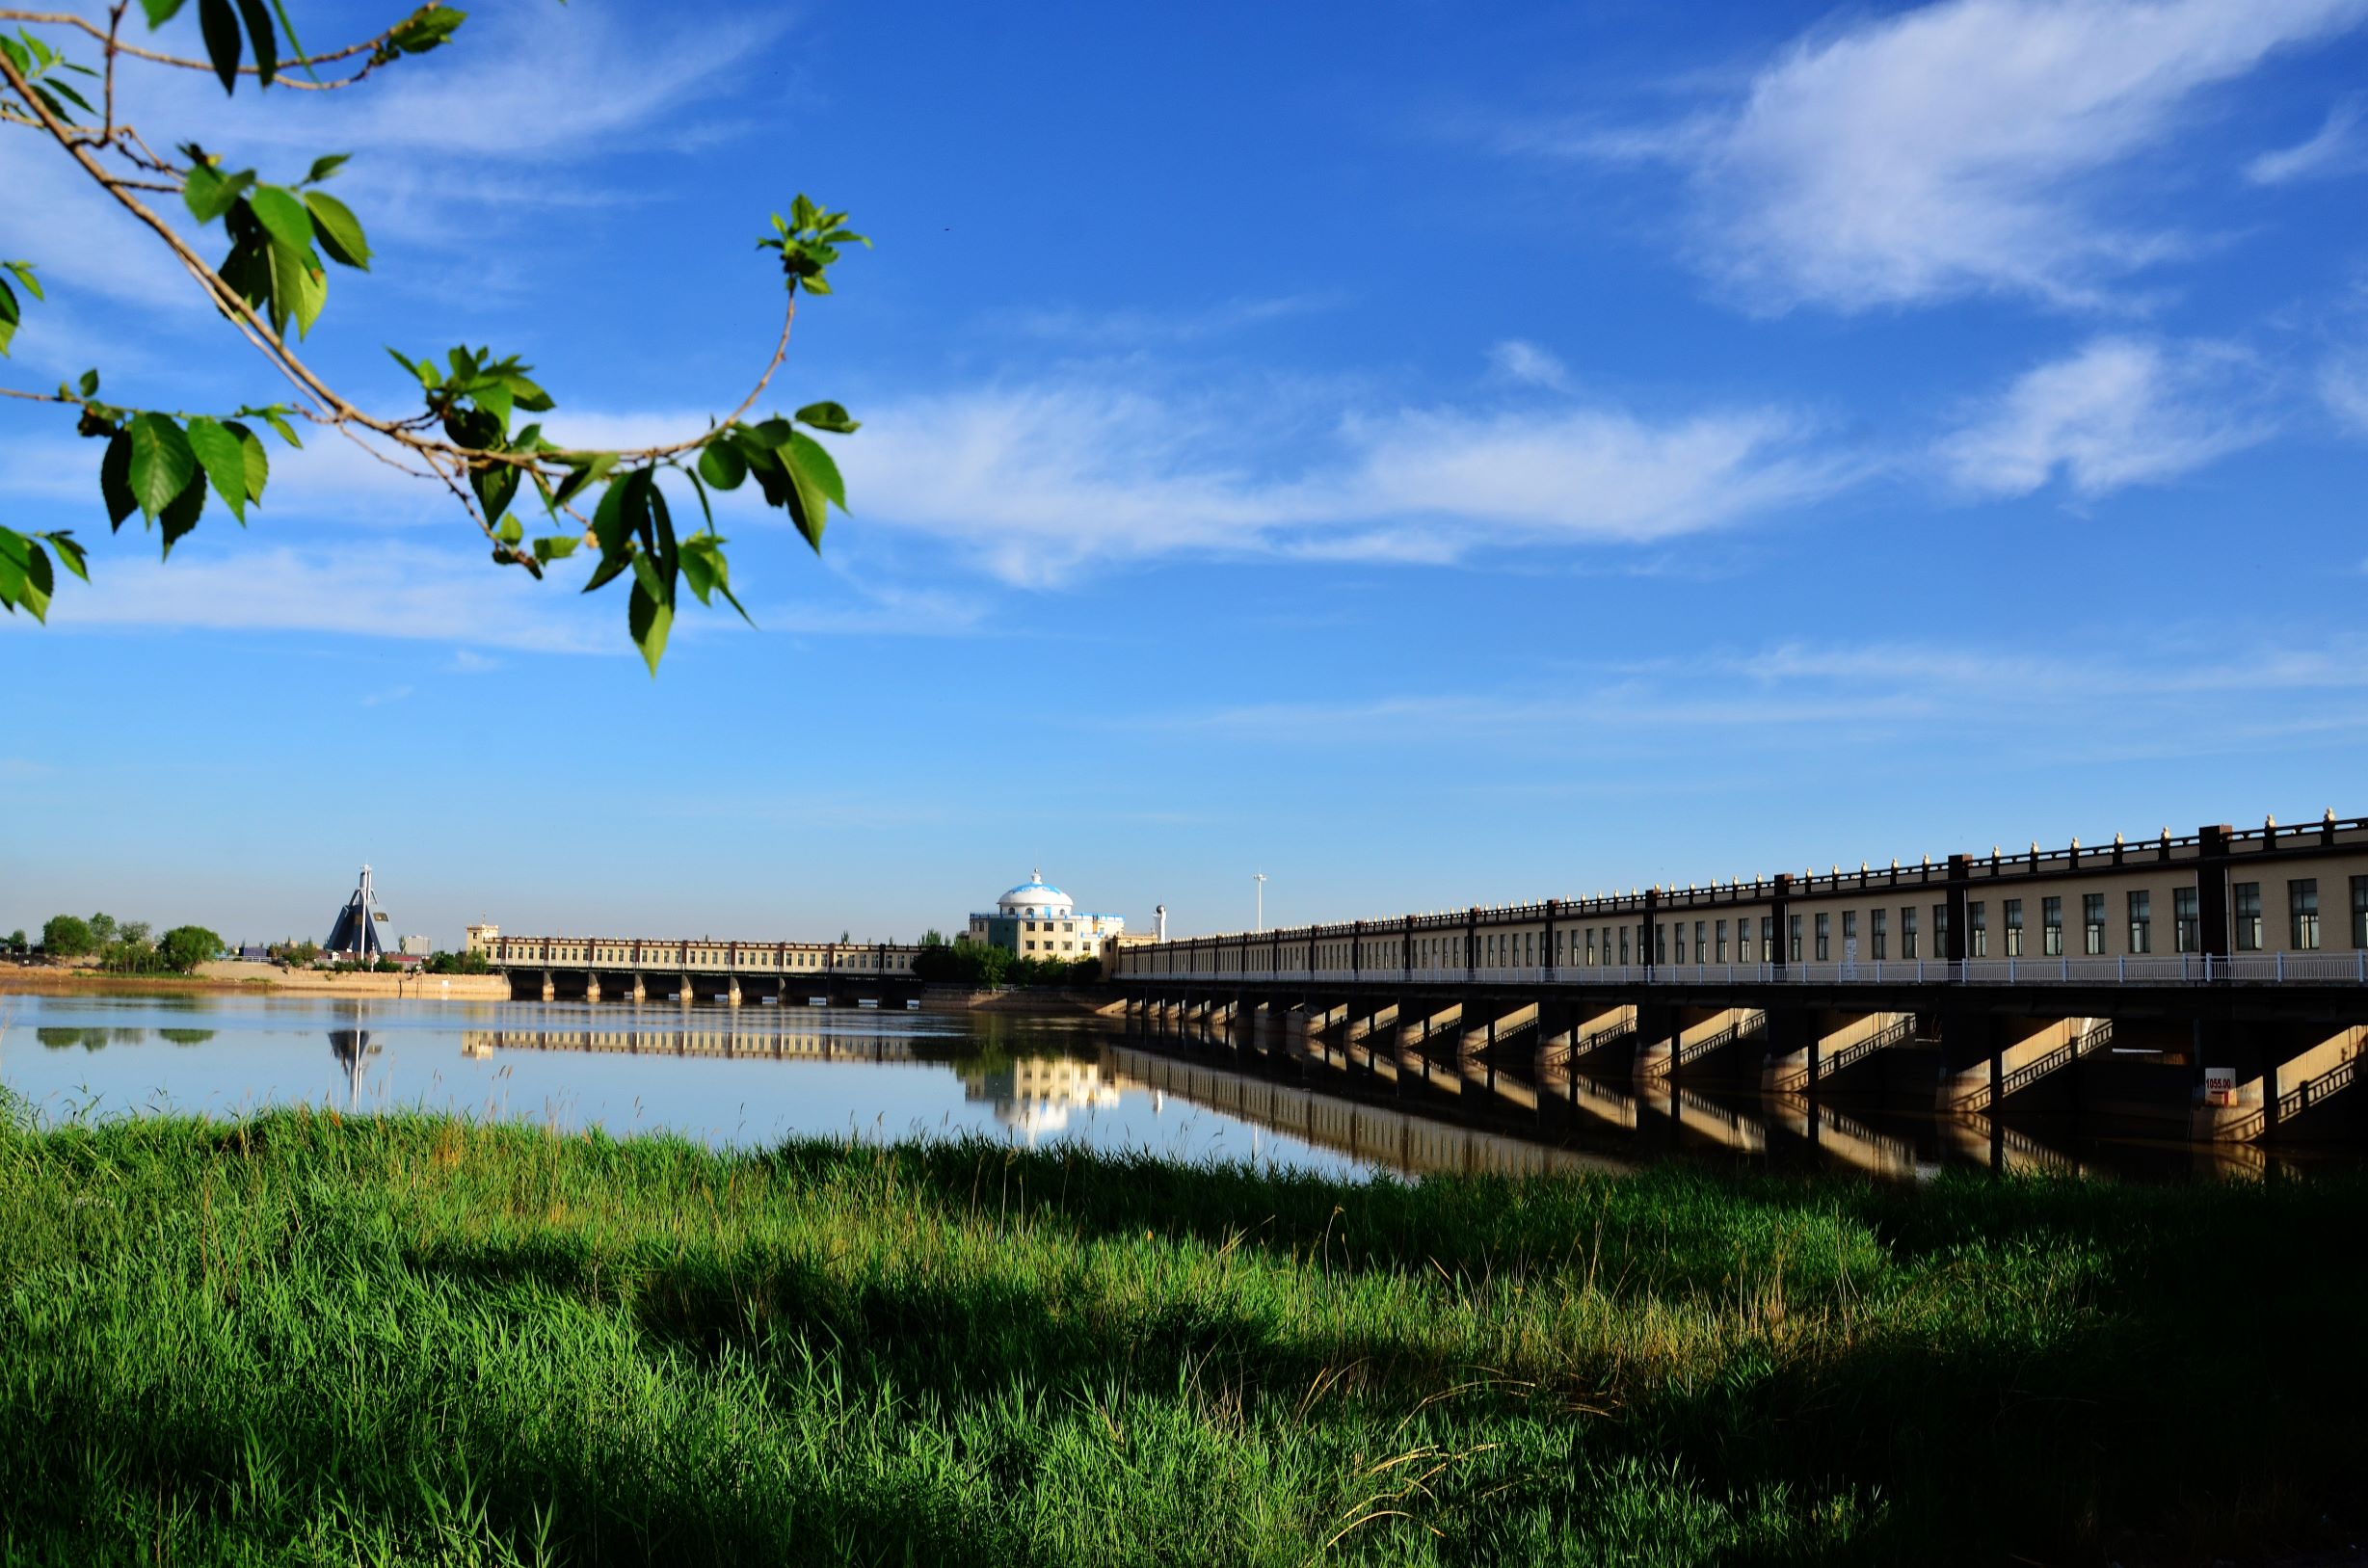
x=634, y=968
x=2239, y=958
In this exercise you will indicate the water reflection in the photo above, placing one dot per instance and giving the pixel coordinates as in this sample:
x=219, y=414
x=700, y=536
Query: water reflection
x=754, y=1076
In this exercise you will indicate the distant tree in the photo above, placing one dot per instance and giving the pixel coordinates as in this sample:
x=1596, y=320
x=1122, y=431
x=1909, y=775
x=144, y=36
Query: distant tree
x=135, y=932
x=467, y=963
x=67, y=936
x=186, y=946
x=933, y=938
x=17, y=940
x=845, y=937
x=295, y=952
x=102, y=929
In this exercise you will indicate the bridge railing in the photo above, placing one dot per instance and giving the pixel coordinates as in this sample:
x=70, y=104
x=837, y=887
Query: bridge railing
x=2348, y=968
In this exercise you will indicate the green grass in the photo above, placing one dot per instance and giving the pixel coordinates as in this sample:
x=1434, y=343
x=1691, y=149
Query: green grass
x=307, y=1339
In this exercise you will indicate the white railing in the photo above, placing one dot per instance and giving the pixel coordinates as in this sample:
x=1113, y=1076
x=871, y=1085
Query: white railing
x=2348, y=968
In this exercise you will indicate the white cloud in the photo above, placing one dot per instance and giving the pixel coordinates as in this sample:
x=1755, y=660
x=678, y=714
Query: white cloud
x=1960, y=147
x=2343, y=387
x=2119, y=411
x=1037, y=483
x=2334, y=150
x=1127, y=329
x=1521, y=361
x=378, y=591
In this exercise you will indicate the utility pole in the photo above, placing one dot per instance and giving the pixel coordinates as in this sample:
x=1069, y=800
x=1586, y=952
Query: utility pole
x=1261, y=901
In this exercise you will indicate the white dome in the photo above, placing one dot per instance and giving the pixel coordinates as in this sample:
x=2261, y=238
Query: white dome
x=1037, y=897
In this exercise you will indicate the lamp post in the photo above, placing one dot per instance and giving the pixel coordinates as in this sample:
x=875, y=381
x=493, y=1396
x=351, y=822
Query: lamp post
x=1261, y=901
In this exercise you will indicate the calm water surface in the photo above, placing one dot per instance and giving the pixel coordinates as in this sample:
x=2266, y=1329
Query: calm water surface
x=752, y=1076
x=741, y=1076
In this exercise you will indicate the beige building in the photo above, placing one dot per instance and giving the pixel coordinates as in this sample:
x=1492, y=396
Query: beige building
x=1036, y=919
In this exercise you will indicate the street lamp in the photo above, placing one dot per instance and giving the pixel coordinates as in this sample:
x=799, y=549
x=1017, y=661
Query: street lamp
x=1261, y=901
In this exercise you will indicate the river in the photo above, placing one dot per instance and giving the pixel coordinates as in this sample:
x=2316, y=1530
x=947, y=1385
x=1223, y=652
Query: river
x=752, y=1076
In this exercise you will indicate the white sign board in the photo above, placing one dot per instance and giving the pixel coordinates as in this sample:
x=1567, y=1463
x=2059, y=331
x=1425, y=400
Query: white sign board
x=2220, y=1086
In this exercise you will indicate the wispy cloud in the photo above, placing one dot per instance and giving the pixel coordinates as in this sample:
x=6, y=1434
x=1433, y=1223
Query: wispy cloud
x=2334, y=149
x=2119, y=411
x=1038, y=482
x=1958, y=147
x=1518, y=359
x=1136, y=328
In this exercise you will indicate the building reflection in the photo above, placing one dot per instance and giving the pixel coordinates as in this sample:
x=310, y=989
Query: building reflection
x=1035, y=1095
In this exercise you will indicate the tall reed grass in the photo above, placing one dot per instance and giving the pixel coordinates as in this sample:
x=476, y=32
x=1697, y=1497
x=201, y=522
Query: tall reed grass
x=303, y=1337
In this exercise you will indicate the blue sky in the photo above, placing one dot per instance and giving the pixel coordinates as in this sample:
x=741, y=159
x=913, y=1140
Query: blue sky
x=1433, y=454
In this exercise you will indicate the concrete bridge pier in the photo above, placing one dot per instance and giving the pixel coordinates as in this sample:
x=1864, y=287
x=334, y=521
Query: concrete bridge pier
x=734, y=996
x=682, y=991
x=550, y=989
x=592, y=986
x=640, y=992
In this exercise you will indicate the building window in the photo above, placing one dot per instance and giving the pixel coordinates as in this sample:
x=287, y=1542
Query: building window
x=1590, y=946
x=2092, y=923
x=2015, y=928
x=1660, y=943
x=1623, y=947
x=2359, y=912
x=2051, y=927
x=1681, y=941
x=2186, y=925
x=1792, y=938
x=1880, y=920
x=1768, y=939
x=2249, y=916
x=1908, y=931
x=1701, y=952
x=1849, y=929
x=2303, y=907
x=2141, y=922
x=1722, y=942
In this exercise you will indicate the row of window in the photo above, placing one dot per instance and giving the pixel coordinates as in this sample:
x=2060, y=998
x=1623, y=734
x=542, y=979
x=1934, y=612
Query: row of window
x=1599, y=945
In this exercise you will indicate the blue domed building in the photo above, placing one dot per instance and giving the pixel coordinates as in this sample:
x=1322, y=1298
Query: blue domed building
x=1036, y=919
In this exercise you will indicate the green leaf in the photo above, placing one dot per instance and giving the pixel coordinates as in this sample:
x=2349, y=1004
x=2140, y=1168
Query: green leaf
x=608, y=521
x=339, y=229
x=528, y=395
x=720, y=464
x=556, y=548
x=699, y=568
x=585, y=471
x=70, y=95
x=115, y=479
x=69, y=552
x=25, y=275
x=181, y=516
x=279, y=423
x=90, y=384
x=162, y=463
x=497, y=486
x=9, y=315
x=255, y=464
x=812, y=463
x=282, y=216
x=427, y=28
x=606, y=571
x=300, y=287
x=649, y=614
x=259, y=34
x=830, y=417
x=25, y=579
x=218, y=20
x=225, y=464
x=324, y=166
x=493, y=397
x=208, y=193
x=511, y=531
x=160, y=11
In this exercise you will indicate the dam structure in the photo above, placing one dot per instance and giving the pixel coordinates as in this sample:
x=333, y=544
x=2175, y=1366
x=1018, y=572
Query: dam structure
x=2215, y=981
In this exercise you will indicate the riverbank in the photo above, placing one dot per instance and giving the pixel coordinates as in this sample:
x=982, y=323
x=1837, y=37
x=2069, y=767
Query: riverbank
x=414, y=1338
x=246, y=978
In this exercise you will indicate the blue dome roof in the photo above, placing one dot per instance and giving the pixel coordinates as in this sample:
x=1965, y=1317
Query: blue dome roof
x=1036, y=896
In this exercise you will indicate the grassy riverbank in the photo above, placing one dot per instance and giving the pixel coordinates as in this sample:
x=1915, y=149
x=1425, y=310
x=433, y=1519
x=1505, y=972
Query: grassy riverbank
x=307, y=1338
